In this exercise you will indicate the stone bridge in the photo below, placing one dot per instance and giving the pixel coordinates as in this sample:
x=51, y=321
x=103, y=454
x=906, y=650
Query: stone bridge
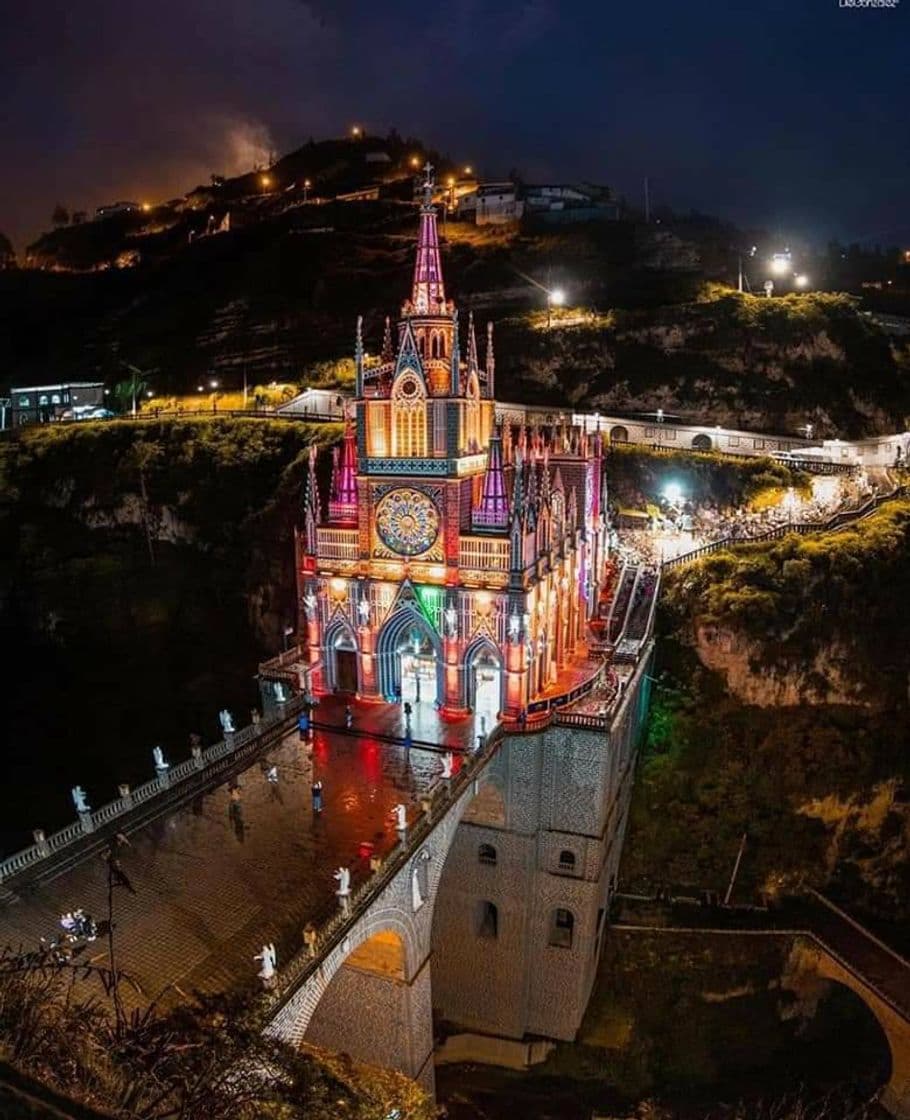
x=826, y=946
x=491, y=910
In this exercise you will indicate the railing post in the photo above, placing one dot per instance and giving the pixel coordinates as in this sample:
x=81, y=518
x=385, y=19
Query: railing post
x=85, y=819
x=126, y=795
x=41, y=842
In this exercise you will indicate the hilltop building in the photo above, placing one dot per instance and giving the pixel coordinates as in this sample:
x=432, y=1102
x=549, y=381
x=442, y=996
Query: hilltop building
x=454, y=562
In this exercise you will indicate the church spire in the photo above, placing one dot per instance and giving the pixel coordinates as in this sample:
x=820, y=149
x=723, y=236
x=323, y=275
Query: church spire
x=388, y=353
x=493, y=511
x=427, y=292
x=358, y=358
x=311, y=511
x=491, y=361
x=472, y=344
x=343, y=498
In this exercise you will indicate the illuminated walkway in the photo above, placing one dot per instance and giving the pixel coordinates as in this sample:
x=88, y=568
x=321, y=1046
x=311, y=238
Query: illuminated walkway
x=216, y=877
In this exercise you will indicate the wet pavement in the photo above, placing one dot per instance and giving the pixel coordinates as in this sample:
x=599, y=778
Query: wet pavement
x=249, y=861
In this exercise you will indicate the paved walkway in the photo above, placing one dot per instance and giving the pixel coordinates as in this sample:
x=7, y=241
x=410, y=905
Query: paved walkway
x=216, y=878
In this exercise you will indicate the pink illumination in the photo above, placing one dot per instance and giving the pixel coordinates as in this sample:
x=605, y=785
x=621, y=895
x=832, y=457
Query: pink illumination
x=343, y=500
x=428, y=294
x=493, y=511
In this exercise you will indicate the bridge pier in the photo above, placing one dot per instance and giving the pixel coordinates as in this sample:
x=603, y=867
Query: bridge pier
x=378, y=1016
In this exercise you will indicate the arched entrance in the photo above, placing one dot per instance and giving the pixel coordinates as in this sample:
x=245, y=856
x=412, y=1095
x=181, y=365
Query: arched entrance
x=410, y=659
x=619, y=434
x=484, y=679
x=701, y=442
x=341, y=658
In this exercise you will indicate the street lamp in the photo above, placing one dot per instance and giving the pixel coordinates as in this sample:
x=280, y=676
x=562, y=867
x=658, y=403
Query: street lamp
x=801, y=280
x=469, y=170
x=556, y=297
x=356, y=131
x=265, y=180
x=660, y=420
x=306, y=189
x=213, y=385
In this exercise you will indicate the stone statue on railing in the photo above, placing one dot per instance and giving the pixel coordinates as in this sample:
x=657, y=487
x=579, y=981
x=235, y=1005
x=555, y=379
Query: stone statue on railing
x=227, y=721
x=400, y=813
x=451, y=616
x=447, y=760
x=310, y=604
x=514, y=627
x=363, y=609
x=161, y=764
x=269, y=959
x=79, y=795
x=343, y=875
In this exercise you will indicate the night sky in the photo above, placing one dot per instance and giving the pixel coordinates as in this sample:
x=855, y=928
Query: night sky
x=791, y=114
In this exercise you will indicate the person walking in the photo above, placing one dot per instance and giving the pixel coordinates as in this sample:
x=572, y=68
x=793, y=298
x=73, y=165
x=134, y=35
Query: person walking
x=317, y=796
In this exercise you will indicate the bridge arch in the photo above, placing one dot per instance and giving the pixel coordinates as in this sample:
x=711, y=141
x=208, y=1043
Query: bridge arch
x=810, y=970
x=701, y=442
x=619, y=433
x=383, y=962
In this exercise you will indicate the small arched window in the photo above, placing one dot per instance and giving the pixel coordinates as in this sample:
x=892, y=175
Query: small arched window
x=566, y=860
x=486, y=853
x=562, y=929
x=487, y=920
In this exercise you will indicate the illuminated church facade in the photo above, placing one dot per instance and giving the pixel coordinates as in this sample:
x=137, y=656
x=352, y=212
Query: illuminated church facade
x=455, y=561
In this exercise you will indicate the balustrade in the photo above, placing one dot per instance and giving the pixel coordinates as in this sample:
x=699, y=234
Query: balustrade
x=484, y=554
x=337, y=544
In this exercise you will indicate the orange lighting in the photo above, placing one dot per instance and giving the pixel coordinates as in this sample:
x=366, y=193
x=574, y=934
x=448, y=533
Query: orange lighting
x=339, y=587
x=437, y=572
x=146, y=206
x=415, y=161
x=265, y=180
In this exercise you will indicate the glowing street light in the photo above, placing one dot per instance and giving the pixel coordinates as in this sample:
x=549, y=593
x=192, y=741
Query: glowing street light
x=146, y=207
x=414, y=161
x=780, y=264
x=469, y=170
x=673, y=493
x=801, y=280
x=306, y=189
x=265, y=180
x=556, y=297
x=356, y=131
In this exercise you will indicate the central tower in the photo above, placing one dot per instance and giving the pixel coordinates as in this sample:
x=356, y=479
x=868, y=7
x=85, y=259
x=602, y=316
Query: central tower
x=456, y=565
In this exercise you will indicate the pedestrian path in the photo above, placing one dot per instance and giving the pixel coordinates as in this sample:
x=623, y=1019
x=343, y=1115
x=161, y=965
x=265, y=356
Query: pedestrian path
x=248, y=861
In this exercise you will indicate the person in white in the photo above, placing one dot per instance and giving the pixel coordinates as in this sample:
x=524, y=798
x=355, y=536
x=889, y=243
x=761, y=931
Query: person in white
x=269, y=959
x=447, y=759
x=78, y=794
x=158, y=755
x=400, y=812
x=343, y=875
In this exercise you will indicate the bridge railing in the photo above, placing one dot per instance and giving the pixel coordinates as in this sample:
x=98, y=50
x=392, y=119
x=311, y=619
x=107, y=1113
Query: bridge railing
x=443, y=795
x=175, y=781
x=839, y=520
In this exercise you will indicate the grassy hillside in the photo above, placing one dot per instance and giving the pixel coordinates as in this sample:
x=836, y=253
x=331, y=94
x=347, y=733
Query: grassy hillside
x=818, y=790
x=281, y=291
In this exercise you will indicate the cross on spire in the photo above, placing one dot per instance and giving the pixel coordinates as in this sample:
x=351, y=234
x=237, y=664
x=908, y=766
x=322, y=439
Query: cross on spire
x=428, y=183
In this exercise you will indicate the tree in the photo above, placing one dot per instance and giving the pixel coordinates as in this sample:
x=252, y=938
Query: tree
x=127, y=392
x=60, y=216
x=78, y=217
x=7, y=253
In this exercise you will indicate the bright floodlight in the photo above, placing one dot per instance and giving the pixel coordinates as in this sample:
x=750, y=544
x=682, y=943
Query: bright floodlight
x=802, y=281
x=673, y=493
x=557, y=297
x=780, y=264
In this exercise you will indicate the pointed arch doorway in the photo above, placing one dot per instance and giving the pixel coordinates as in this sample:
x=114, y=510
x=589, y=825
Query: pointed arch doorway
x=410, y=659
x=484, y=675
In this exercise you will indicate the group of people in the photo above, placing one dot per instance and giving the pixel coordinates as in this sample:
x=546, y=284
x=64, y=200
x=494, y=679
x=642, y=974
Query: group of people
x=78, y=926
